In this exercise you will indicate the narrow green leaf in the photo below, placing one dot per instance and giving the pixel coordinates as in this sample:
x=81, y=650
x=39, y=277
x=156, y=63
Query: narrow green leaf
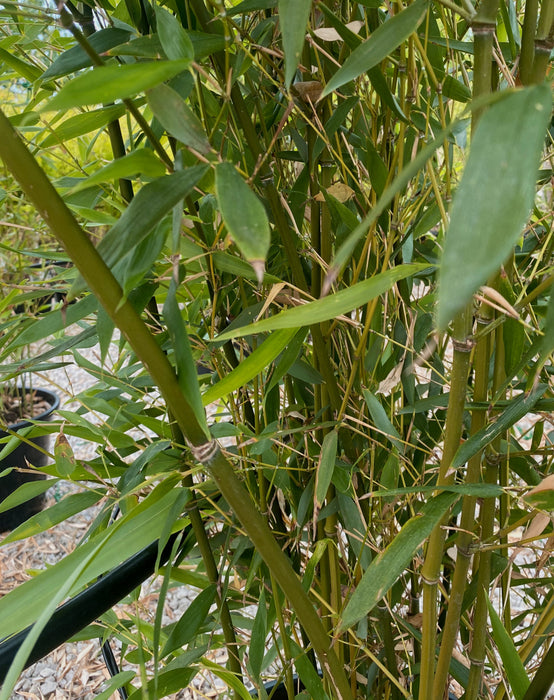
x=495, y=196
x=137, y=529
x=455, y=89
x=511, y=661
x=256, y=649
x=177, y=118
x=151, y=203
x=83, y=123
x=287, y=359
x=326, y=466
x=397, y=185
x=70, y=505
x=228, y=678
x=139, y=162
x=547, y=345
x=387, y=566
x=118, y=681
x=225, y=262
x=329, y=307
x=384, y=40
x=22, y=68
x=541, y=496
x=382, y=421
x=514, y=412
x=109, y=83
x=190, y=622
x=136, y=266
x=251, y=6
x=25, y=492
x=251, y=366
x=174, y=39
x=307, y=673
x=293, y=18
x=186, y=368
x=76, y=58
x=244, y=215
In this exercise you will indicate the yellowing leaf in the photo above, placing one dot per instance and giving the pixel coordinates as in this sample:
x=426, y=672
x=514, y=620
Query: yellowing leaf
x=541, y=496
x=330, y=34
x=339, y=191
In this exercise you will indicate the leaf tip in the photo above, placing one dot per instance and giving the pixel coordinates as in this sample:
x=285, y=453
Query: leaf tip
x=259, y=269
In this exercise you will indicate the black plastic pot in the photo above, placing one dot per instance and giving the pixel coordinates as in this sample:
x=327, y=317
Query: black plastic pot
x=279, y=691
x=23, y=455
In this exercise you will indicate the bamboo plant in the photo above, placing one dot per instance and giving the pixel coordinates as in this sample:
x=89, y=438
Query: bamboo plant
x=341, y=212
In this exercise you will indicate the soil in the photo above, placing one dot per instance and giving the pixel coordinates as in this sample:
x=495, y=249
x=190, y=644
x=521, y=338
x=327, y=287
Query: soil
x=17, y=407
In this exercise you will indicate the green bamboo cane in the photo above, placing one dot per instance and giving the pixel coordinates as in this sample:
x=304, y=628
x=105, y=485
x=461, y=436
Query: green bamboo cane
x=467, y=526
x=483, y=29
x=544, y=42
x=206, y=451
x=527, y=54
x=430, y=572
x=494, y=461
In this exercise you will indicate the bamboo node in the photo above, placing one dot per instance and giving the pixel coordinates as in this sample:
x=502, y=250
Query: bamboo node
x=206, y=452
x=476, y=662
x=466, y=345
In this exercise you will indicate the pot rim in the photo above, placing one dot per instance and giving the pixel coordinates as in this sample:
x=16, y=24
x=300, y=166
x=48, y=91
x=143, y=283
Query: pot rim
x=52, y=398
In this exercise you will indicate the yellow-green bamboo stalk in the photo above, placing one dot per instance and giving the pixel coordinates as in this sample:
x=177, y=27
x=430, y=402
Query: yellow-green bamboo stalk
x=430, y=572
x=527, y=54
x=466, y=533
x=544, y=42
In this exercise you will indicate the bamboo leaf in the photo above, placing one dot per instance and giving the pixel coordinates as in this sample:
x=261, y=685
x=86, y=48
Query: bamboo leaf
x=137, y=529
x=108, y=83
x=329, y=307
x=24, y=69
x=177, y=118
x=384, y=40
x=514, y=412
x=387, y=566
x=511, y=661
x=244, y=215
x=229, y=678
x=148, y=207
x=83, y=124
x=257, y=640
x=250, y=366
x=382, y=421
x=25, y=492
x=63, y=454
x=174, y=39
x=190, y=622
x=308, y=674
x=397, y=185
x=70, y=505
x=76, y=58
x=139, y=162
x=118, y=681
x=495, y=195
x=326, y=466
x=293, y=18
x=541, y=496
x=186, y=368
